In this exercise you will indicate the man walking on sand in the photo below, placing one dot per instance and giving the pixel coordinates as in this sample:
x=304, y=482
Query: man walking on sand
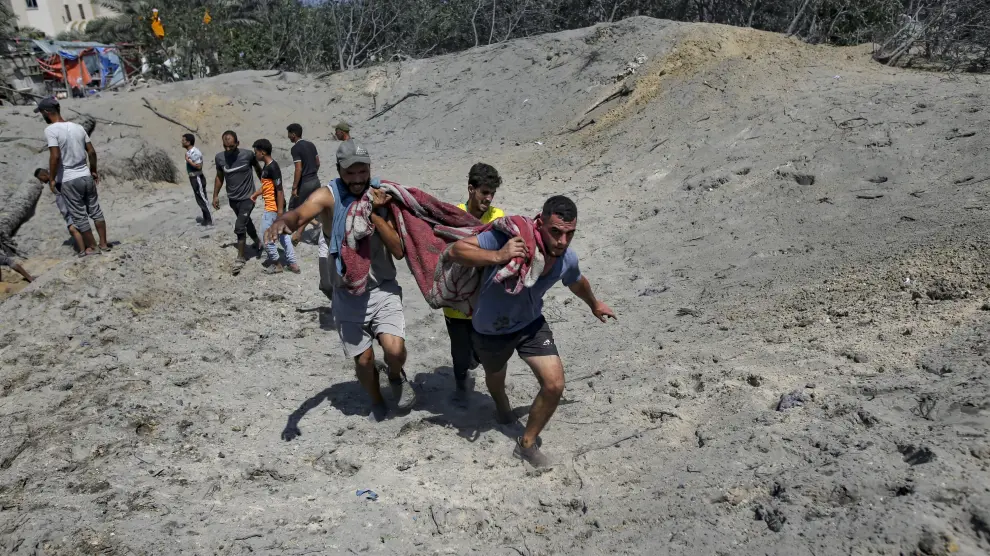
x=235, y=166
x=271, y=190
x=306, y=178
x=504, y=323
x=483, y=182
x=194, y=168
x=377, y=313
x=44, y=177
x=342, y=131
x=72, y=163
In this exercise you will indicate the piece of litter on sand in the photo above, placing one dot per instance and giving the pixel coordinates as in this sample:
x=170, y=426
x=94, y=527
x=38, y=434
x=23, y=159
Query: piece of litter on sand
x=796, y=398
x=538, y=142
x=371, y=495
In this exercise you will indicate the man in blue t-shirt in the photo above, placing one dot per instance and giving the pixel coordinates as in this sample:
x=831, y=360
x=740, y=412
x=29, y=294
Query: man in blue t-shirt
x=504, y=323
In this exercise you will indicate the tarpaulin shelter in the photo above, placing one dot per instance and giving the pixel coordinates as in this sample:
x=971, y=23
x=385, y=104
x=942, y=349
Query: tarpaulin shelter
x=81, y=62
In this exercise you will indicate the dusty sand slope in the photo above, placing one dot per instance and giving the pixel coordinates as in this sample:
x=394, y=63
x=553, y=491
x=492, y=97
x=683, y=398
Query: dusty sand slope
x=764, y=216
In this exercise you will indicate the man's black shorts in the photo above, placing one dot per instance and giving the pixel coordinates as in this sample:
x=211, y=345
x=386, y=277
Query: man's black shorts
x=494, y=351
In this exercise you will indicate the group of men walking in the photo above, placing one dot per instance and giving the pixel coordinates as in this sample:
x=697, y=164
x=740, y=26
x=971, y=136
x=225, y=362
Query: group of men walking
x=501, y=324
x=236, y=168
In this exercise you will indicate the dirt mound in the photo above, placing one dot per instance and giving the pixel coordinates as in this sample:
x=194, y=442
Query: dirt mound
x=788, y=233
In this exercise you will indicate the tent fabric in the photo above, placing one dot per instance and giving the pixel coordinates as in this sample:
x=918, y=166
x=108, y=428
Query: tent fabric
x=74, y=69
x=94, y=57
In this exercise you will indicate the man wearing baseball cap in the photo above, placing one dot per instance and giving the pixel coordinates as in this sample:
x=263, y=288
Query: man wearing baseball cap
x=72, y=172
x=377, y=313
x=342, y=131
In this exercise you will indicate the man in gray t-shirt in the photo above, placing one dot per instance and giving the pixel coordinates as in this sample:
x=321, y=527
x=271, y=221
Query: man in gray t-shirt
x=235, y=166
x=72, y=165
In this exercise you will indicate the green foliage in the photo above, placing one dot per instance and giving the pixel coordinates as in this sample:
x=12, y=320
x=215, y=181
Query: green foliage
x=344, y=34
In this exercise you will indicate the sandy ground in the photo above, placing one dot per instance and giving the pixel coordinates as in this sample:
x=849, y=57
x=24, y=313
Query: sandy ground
x=765, y=217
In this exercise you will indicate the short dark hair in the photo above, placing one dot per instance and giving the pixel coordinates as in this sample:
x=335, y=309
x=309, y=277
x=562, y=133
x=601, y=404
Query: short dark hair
x=263, y=145
x=232, y=134
x=295, y=129
x=191, y=138
x=484, y=175
x=40, y=170
x=560, y=206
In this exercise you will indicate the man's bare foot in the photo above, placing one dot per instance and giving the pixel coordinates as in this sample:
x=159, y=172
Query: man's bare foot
x=294, y=268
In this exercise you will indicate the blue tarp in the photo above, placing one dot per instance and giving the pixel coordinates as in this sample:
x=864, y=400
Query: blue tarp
x=106, y=57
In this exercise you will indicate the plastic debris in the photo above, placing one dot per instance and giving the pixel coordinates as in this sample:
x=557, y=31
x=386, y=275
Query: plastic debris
x=368, y=494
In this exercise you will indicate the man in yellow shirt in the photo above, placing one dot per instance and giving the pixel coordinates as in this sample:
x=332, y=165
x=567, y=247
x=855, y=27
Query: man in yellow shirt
x=483, y=182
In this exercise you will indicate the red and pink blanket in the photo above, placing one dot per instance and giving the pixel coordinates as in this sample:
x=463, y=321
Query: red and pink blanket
x=428, y=227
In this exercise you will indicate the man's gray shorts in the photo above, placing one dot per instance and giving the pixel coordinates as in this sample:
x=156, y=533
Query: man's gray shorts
x=63, y=208
x=80, y=195
x=361, y=318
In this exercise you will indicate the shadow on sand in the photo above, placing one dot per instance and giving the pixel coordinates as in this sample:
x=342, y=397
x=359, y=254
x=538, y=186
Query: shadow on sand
x=471, y=415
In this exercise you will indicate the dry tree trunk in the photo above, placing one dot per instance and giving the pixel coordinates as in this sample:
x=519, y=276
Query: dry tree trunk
x=20, y=206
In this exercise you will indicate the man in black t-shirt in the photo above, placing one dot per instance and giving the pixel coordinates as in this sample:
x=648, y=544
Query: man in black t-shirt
x=306, y=179
x=237, y=167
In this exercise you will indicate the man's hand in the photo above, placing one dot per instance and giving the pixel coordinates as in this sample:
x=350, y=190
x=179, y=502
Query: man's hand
x=295, y=191
x=379, y=199
x=254, y=197
x=602, y=311
x=279, y=228
x=96, y=176
x=216, y=203
x=51, y=185
x=515, y=247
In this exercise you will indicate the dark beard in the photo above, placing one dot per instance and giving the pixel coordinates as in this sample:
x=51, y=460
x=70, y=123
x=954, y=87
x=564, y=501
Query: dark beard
x=364, y=187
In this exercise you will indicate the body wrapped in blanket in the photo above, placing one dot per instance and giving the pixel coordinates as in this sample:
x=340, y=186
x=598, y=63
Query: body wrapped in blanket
x=428, y=227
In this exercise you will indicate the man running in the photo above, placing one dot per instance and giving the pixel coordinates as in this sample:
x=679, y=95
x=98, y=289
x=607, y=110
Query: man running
x=342, y=131
x=194, y=167
x=504, y=323
x=72, y=163
x=306, y=178
x=44, y=177
x=234, y=165
x=271, y=190
x=483, y=182
x=376, y=314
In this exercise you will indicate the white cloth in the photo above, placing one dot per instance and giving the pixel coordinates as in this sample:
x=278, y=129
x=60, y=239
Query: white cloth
x=196, y=156
x=71, y=139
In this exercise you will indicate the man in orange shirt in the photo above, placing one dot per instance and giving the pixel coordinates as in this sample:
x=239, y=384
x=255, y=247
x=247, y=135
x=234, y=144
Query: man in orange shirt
x=271, y=190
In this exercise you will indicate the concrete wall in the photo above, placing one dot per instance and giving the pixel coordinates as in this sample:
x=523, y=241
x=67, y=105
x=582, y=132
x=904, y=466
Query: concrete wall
x=50, y=16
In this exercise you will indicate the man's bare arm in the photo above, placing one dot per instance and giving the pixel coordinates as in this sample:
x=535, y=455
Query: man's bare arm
x=582, y=289
x=92, y=161
x=54, y=157
x=296, y=178
x=389, y=236
x=467, y=252
x=217, y=186
x=321, y=200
